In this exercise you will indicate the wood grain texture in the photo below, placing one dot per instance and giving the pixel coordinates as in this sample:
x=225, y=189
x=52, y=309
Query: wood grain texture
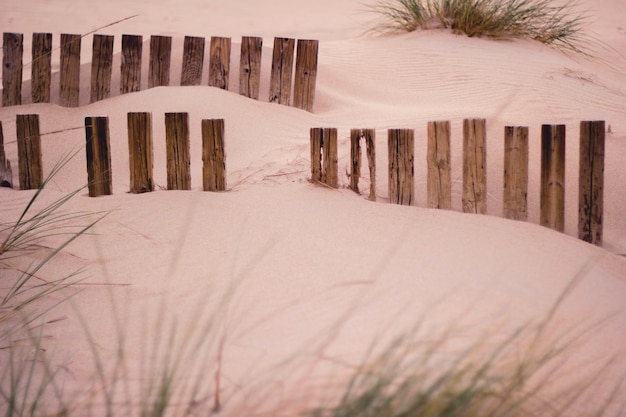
x=160, y=60
x=438, y=181
x=101, y=67
x=219, y=62
x=177, y=151
x=12, y=53
x=552, y=199
x=306, y=74
x=70, y=70
x=41, y=67
x=213, y=155
x=98, y=156
x=193, y=61
x=401, y=153
x=29, y=151
x=6, y=173
x=140, y=152
x=515, y=193
x=282, y=69
x=591, y=181
x=474, y=197
x=250, y=66
x=130, y=80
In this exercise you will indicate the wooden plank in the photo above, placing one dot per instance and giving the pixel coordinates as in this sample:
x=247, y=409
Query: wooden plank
x=219, y=62
x=474, y=166
x=140, y=152
x=130, y=81
x=306, y=74
x=41, y=67
x=193, y=61
x=591, y=181
x=177, y=151
x=316, y=138
x=29, y=151
x=213, y=155
x=250, y=66
x=370, y=146
x=282, y=69
x=6, y=173
x=401, y=156
x=12, y=52
x=368, y=135
x=515, y=194
x=330, y=170
x=160, y=59
x=439, y=183
x=70, y=70
x=552, y=199
x=101, y=67
x=98, y=149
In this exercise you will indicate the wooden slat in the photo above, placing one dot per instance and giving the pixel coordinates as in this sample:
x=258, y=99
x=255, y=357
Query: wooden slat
x=282, y=68
x=474, y=166
x=552, y=200
x=177, y=151
x=213, y=155
x=41, y=67
x=368, y=136
x=101, y=67
x=29, y=151
x=439, y=184
x=515, y=194
x=219, y=62
x=250, y=66
x=401, y=158
x=98, y=150
x=70, y=70
x=193, y=61
x=12, y=52
x=306, y=74
x=140, y=152
x=6, y=173
x=591, y=181
x=132, y=46
x=160, y=59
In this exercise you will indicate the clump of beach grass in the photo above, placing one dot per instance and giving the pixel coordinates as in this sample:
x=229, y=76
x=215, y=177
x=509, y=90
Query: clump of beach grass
x=559, y=25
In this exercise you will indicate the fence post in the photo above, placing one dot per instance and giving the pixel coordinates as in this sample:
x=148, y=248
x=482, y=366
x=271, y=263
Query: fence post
x=401, y=156
x=140, y=152
x=306, y=74
x=130, y=81
x=70, y=70
x=160, y=58
x=355, y=156
x=282, y=67
x=213, y=155
x=250, y=66
x=29, y=151
x=177, y=151
x=101, y=67
x=219, y=62
x=324, y=156
x=98, y=150
x=12, y=52
x=591, y=181
x=552, y=199
x=6, y=173
x=41, y=67
x=515, y=202
x=193, y=61
x=439, y=184
x=474, y=166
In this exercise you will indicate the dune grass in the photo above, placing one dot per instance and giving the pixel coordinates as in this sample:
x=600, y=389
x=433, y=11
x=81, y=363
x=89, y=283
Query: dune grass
x=559, y=25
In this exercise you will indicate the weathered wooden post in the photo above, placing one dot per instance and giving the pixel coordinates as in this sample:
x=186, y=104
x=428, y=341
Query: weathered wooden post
x=591, y=181
x=98, y=150
x=130, y=80
x=438, y=182
x=193, y=61
x=515, y=201
x=219, y=62
x=177, y=151
x=401, y=158
x=29, y=151
x=140, y=152
x=70, y=70
x=12, y=52
x=474, y=166
x=324, y=156
x=250, y=66
x=213, y=155
x=101, y=67
x=369, y=136
x=552, y=199
x=282, y=67
x=6, y=173
x=306, y=74
x=41, y=67
x=160, y=58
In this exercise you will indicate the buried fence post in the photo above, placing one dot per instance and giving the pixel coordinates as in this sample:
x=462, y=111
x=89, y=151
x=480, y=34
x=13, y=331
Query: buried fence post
x=515, y=194
x=400, y=143
x=250, y=66
x=306, y=74
x=177, y=151
x=12, y=52
x=552, y=198
x=160, y=57
x=41, y=67
x=101, y=67
x=474, y=166
x=219, y=62
x=282, y=67
x=132, y=46
x=98, y=150
x=213, y=155
x=140, y=152
x=70, y=70
x=6, y=174
x=324, y=156
x=355, y=156
x=193, y=61
x=439, y=184
x=29, y=151
x=591, y=181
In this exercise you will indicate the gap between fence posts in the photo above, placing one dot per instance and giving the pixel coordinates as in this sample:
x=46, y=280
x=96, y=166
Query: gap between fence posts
x=6, y=173
x=515, y=193
x=213, y=155
x=369, y=136
x=98, y=150
x=193, y=61
x=160, y=58
x=400, y=144
x=130, y=71
x=324, y=156
x=438, y=182
x=41, y=67
x=282, y=68
x=69, y=88
x=474, y=166
x=12, y=52
x=219, y=62
x=552, y=200
x=250, y=66
x=101, y=67
x=140, y=152
x=29, y=151
x=177, y=151
x=306, y=74
x=591, y=181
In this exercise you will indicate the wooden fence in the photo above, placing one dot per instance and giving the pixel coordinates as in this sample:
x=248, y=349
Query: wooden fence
x=159, y=67
x=474, y=197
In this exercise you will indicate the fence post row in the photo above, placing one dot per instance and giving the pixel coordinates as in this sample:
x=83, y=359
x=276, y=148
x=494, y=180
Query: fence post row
x=177, y=151
x=41, y=67
x=193, y=61
x=552, y=199
x=401, y=156
x=474, y=166
x=29, y=151
x=12, y=50
x=160, y=59
x=369, y=135
x=70, y=70
x=213, y=155
x=591, y=181
x=6, y=173
x=98, y=150
x=101, y=67
x=140, y=152
x=438, y=182
x=130, y=80
x=324, y=156
x=515, y=194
